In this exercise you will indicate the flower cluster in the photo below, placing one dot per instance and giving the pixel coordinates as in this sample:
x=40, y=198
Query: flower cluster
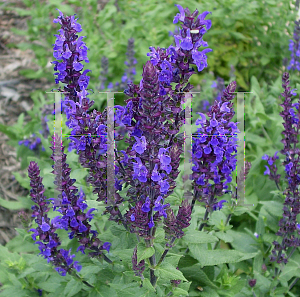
x=49, y=240
x=272, y=171
x=156, y=108
x=152, y=115
x=218, y=88
x=173, y=226
x=72, y=51
x=72, y=206
x=294, y=47
x=288, y=224
x=33, y=142
x=214, y=151
x=138, y=268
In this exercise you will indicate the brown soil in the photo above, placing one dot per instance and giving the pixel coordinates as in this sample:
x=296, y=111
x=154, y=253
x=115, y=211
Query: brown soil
x=14, y=99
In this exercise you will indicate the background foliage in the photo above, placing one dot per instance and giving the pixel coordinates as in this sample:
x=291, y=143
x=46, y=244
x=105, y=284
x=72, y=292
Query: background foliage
x=252, y=36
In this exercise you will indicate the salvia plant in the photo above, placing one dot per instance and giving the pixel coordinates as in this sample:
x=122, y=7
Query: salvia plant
x=149, y=246
x=294, y=48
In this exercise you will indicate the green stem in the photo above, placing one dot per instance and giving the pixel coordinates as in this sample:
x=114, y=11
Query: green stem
x=152, y=259
x=107, y=259
x=165, y=252
x=86, y=283
x=293, y=283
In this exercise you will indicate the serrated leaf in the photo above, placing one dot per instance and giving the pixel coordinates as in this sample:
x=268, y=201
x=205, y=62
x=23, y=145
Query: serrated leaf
x=130, y=290
x=273, y=207
x=159, y=235
x=196, y=273
x=23, y=233
x=15, y=205
x=20, y=120
x=240, y=210
x=72, y=287
x=216, y=257
x=173, y=259
x=25, y=183
x=209, y=292
x=89, y=270
x=194, y=236
x=14, y=291
x=48, y=286
x=180, y=292
x=147, y=284
x=5, y=129
x=291, y=269
x=257, y=263
x=144, y=252
x=224, y=236
x=169, y=272
x=102, y=291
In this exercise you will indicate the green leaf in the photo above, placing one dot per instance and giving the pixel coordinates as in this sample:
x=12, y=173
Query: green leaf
x=169, y=272
x=173, y=259
x=265, y=60
x=240, y=210
x=180, y=292
x=239, y=36
x=291, y=269
x=58, y=292
x=243, y=242
x=216, y=257
x=23, y=233
x=6, y=130
x=73, y=287
x=209, y=292
x=91, y=269
x=147, y=284
x=33, y=74
x=15, y=291
x=144, y=252
x=224, y=236
x=160, y=235
x=194, y=236
x=22, y=12
x=20, y=120
x=130, y=290
x=196, y=273
x=15, y=205
x=102, y=291
x=258, y=262
x=79, y=174
x=273, y=207
x=233, y=289
x=51, y=284
x=262, y=116
x=24, y=182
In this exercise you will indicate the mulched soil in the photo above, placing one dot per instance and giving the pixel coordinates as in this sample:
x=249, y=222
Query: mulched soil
x=14, y=99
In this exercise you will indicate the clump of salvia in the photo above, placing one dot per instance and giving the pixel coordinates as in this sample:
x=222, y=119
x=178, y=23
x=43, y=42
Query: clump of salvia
x=288, y=224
